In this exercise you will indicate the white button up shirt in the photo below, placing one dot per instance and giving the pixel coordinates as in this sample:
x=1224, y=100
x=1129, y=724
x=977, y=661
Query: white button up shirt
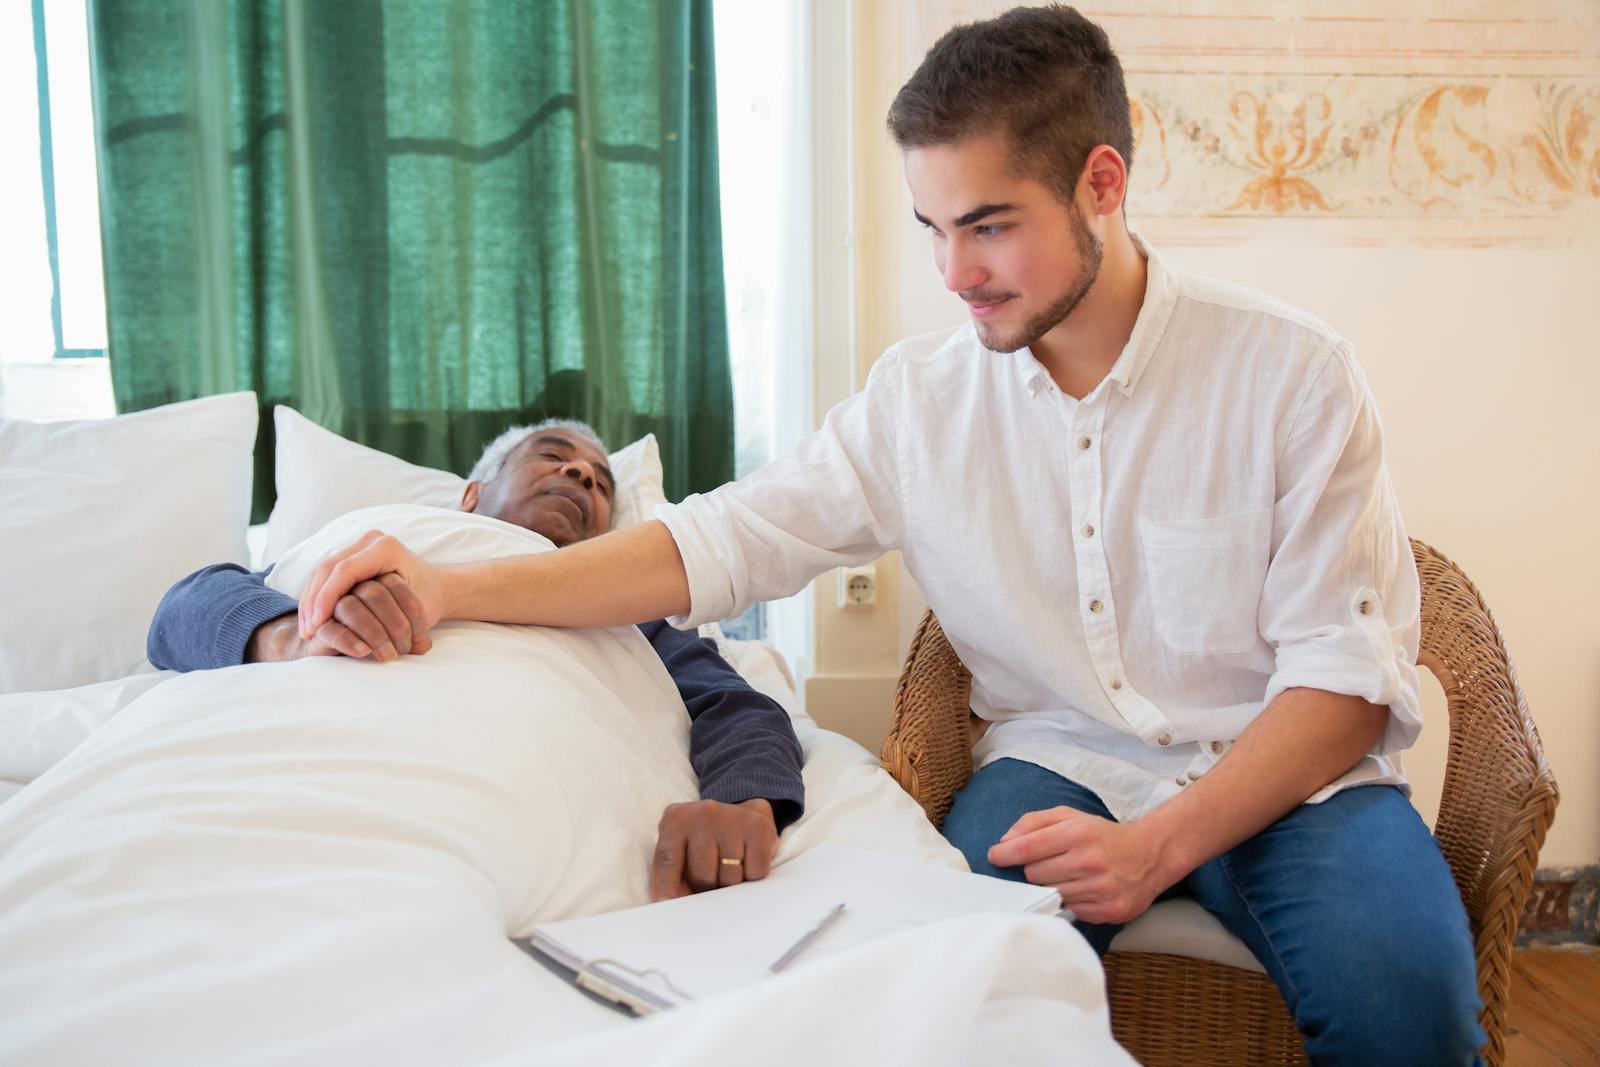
x=1131, y=577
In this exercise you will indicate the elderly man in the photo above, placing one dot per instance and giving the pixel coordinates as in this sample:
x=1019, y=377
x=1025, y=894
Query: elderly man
x=552, y=479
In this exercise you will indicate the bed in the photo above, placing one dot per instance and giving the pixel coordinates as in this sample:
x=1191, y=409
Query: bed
x=325, y=861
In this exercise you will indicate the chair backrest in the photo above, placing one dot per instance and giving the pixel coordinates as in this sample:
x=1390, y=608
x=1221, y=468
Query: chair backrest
x=1499, y=796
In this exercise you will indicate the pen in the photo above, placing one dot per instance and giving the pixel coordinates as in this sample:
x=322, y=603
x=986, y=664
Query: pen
x=806, y=938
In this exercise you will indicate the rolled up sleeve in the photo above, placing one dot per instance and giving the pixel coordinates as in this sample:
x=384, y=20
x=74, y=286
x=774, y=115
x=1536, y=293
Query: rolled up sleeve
x=1341, y=603
x=833, y=502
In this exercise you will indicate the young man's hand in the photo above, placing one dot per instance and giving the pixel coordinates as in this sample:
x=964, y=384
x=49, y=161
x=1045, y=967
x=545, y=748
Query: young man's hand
x=694, y=840
x=375, y=557
x=1105, y=871
x=382, y=618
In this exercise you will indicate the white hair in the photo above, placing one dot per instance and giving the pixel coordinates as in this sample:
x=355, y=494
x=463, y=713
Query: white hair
x=495, y=452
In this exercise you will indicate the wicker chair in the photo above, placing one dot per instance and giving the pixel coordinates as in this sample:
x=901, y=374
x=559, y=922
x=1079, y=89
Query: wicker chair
x=1499, y=798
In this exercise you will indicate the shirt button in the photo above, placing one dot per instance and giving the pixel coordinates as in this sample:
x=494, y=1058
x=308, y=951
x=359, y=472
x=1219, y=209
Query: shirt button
x=1088, y=531
x=1095, y=605
x=1083, y=442
x=1216, y=748
x=1181, y=780
x=1366, y=607
x=1164, y=740
x=1116, y=683
x=1194, y=776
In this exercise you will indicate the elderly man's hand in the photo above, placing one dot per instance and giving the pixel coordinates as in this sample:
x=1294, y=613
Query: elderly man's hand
x=1105, y=871
x=694, y=839
x=382, y=618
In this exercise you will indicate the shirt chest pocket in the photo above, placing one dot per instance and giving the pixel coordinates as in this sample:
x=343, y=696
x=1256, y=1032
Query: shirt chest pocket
x=1205, y=579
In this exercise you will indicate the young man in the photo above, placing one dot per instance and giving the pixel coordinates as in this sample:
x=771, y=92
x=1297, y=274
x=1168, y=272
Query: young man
x=552, y=479
x=1152, y=514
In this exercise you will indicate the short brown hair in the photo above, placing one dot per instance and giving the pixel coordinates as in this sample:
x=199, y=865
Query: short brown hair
x=1044, y=77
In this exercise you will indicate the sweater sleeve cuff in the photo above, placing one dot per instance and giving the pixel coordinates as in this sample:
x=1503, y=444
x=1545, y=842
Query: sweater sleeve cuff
x=233, y=634
x=786, y=795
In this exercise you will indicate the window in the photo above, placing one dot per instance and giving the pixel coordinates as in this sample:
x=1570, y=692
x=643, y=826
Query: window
x=764, y=154
x=52, y=296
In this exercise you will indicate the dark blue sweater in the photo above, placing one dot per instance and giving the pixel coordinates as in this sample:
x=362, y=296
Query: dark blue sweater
x=741, y=742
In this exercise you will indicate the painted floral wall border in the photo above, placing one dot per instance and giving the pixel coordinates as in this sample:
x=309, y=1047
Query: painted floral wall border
x=1430, y=127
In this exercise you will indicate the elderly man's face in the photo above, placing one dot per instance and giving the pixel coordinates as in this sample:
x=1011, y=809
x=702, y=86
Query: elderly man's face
x=555, y=483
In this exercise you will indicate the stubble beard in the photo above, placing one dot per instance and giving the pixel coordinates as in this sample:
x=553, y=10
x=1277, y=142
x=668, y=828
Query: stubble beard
x=1090, y=252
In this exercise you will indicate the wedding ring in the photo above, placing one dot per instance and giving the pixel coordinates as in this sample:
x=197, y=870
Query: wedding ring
x=730, y=862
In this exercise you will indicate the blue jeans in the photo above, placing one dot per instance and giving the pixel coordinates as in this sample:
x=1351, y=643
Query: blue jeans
x=1348, y=904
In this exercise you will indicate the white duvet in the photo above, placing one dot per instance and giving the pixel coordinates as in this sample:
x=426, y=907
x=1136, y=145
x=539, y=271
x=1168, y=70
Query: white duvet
x=322, y=862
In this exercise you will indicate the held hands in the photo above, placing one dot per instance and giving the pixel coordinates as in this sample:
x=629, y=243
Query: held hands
x=694, y=839
x=382, y=618
x=1106, y=872
x=375, y=556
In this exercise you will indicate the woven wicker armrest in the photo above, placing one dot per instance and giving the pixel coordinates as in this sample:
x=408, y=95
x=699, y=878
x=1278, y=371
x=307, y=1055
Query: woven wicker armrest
x=929, y=747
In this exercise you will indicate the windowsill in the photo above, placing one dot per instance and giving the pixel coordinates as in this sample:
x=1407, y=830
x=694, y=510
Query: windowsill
x=57, y=389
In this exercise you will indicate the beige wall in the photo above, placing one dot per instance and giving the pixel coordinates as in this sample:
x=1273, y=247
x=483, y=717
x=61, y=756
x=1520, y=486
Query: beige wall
x=1472, y=318
x=857, y=652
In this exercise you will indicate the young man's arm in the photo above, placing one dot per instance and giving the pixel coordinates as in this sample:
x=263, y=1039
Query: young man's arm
x=224, y=615
x=1111, y=872
x=745, y=752
x=835, y=501
x=1340, y=606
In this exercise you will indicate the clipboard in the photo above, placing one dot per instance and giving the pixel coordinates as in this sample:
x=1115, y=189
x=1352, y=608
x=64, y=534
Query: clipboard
x=658, y=956
x=608, y=983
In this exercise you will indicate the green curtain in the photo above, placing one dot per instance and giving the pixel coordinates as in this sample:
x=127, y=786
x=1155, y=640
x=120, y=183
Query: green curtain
x=419, y=221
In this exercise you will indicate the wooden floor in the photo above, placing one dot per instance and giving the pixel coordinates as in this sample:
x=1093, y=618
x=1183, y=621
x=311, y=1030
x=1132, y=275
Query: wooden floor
x=1555, y=1007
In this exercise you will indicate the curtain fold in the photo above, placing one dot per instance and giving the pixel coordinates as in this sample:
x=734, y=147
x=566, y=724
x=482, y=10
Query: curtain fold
x=418, y=222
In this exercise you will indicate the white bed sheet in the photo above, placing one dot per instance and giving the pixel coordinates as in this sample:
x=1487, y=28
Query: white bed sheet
x=171, y=918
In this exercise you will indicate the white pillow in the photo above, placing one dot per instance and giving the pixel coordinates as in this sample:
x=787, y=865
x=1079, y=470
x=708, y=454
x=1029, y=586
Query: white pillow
x=640, y=485
x=100, y=518
x=321, y=476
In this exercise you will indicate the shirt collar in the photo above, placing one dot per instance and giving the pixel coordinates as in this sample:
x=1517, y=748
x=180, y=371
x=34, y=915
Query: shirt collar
x=1029, y=370
x=1160, y=296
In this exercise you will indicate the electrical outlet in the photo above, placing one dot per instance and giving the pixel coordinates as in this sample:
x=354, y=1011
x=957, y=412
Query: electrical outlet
x=858, y=586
